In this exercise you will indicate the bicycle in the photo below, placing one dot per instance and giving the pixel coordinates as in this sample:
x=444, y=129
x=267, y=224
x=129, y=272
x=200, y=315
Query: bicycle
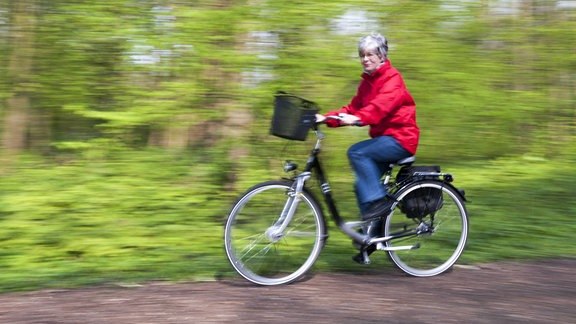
x=276, y=230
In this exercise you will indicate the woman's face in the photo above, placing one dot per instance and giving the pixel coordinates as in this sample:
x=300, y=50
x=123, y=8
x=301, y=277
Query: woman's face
x=370, y=61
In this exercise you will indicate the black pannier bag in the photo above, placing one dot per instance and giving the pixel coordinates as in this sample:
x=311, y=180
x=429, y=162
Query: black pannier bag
x=423, y=201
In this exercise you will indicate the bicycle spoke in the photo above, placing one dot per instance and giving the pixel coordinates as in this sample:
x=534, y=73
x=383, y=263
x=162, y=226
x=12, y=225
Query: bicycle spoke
x=245, y=252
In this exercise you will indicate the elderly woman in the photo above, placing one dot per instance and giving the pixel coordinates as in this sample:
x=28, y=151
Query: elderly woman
x=383, y=103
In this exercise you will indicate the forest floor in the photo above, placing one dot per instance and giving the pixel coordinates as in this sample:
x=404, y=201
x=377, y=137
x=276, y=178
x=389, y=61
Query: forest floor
x=506, y=292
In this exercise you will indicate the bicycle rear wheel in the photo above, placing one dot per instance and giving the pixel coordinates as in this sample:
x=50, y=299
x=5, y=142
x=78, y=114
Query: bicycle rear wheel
x=266, y=248
x=442, y=229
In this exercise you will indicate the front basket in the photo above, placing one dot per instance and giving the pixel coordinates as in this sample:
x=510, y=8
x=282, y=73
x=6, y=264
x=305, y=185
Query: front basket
x=293, y=117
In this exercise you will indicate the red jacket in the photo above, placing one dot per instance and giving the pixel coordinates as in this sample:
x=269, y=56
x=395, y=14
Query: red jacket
x=384, y=103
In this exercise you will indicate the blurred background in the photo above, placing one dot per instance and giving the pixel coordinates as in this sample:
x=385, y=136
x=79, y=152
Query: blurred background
x=128, y=127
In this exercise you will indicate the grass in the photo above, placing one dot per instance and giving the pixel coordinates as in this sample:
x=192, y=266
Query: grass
x=156, y=216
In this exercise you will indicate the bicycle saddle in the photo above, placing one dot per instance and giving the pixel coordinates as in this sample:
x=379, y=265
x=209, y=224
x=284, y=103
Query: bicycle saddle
x=406, y=161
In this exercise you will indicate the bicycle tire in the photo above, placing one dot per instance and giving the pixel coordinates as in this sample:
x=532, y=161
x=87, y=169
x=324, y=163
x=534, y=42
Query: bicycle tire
x=255, y=248
x=439, y=247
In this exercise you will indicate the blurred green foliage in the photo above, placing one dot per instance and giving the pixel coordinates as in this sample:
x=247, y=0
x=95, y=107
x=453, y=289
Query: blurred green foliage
x=151, y=215
x=130, y=126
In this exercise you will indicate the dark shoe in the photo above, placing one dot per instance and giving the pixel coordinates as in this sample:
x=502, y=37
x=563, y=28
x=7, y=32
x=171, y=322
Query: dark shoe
x=362, y=257
x=378, y=208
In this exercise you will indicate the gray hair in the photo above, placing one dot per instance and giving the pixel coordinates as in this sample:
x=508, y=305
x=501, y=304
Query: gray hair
x=374, y=42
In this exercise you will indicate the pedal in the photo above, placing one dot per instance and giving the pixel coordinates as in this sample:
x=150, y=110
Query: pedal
x=362, y=257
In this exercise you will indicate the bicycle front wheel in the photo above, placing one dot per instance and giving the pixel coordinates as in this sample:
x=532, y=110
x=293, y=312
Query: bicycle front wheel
x=436, y=224
x=265, y=244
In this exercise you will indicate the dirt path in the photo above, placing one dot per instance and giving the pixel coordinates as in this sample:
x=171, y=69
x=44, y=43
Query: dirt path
x=543, y=292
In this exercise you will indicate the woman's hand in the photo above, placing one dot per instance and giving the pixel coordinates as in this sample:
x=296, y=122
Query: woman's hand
x=343, y=119
x=347, y=119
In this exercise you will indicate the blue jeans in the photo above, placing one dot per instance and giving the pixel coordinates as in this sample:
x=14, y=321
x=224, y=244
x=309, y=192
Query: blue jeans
x=370, y=159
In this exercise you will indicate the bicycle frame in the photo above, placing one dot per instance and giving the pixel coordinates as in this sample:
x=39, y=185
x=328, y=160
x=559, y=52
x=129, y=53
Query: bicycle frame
x=349, y=228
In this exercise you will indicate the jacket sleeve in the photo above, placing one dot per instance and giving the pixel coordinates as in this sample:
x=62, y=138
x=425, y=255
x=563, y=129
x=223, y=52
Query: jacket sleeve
x=388, y=98
x=351, y=109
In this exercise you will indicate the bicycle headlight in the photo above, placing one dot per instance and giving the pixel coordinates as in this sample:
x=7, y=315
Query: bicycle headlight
x=290, y=166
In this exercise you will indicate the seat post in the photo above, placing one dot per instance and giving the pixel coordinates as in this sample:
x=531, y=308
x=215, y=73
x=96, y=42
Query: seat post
x=388, y=174
x=405, y=161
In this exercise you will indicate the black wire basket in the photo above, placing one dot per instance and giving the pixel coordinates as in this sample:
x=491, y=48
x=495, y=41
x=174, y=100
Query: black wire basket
x=293, y=117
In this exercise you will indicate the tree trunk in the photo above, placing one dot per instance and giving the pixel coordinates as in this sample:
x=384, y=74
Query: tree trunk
x=18, y=104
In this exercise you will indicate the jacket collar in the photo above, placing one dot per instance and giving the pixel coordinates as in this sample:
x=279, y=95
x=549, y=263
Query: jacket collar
x=378, y=72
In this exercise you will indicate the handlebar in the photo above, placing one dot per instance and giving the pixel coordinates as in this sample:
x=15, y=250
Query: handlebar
x=357, y=123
